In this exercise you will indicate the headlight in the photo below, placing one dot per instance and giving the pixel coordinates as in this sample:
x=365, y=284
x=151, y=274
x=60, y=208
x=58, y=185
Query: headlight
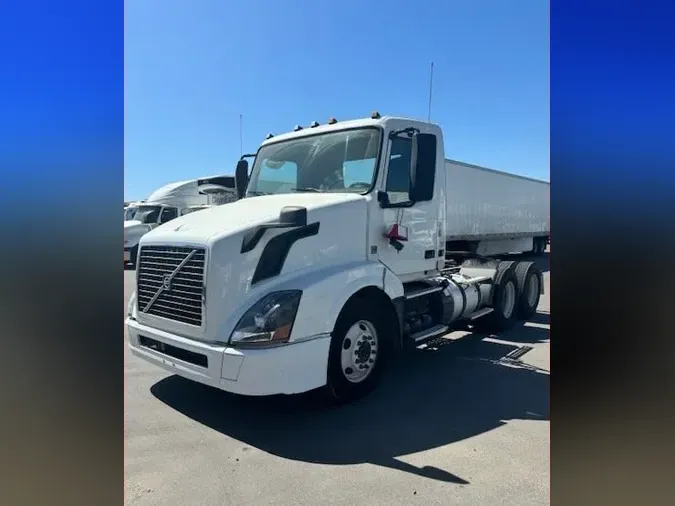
x=269, y=321
x=132, y=304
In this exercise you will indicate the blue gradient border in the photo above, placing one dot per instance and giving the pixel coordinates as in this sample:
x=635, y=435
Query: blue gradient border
x=62, y=155
x=62, y=93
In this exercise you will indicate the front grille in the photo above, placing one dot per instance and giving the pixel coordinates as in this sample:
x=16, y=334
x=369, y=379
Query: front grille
x=182, y=301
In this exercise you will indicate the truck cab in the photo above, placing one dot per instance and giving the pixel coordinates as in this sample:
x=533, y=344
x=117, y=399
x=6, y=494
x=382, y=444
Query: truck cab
x=332, y=259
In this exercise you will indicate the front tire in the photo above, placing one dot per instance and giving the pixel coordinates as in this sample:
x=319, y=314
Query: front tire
x=357, y=353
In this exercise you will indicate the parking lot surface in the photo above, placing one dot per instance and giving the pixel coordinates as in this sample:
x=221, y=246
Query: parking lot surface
x=459, y=423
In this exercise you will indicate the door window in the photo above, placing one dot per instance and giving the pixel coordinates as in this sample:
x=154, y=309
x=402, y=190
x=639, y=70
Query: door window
x=398, y=171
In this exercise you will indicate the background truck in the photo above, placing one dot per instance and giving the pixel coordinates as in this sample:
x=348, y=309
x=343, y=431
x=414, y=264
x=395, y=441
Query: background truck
x=351, y=241
x=169, y=202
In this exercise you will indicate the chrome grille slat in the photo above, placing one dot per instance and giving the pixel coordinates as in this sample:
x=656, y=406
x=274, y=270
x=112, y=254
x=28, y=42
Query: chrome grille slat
x=171, y=316
x=187, y=287
x=169, y=262
x=152, y=255
x=172, y=307
x=193, y=304
x=178, y=293
x=161, y=270
x=183, y=301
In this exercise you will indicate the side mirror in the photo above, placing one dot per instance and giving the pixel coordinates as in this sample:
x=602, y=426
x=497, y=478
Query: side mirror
x=241, y=177
x=422, y=167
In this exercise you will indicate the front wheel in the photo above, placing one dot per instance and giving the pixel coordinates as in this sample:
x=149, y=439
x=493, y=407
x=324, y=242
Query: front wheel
x=357, y=351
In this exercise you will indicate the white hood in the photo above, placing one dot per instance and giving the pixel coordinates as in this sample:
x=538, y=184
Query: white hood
x=210, y=224
x=339, y=237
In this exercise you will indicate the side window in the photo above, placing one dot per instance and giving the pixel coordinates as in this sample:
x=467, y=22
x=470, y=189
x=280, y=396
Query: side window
x=398, y=170
x=168, y=214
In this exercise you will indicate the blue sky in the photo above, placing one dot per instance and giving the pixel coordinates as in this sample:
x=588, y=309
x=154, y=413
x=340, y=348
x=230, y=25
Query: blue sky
x=192, y=67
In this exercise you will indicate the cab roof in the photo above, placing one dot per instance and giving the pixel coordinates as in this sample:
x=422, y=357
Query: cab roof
x=306, y=131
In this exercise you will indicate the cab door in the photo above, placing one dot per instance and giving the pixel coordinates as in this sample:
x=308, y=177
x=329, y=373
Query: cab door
x=418, y=221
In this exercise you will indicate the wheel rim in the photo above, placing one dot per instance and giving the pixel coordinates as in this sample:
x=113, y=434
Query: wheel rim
x=359, y=351
x=508, y=299
x=532, y=289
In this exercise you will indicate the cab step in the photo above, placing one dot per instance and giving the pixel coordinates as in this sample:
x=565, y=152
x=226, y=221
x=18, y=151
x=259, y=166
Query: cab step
x=423, y=335
x=481, y=312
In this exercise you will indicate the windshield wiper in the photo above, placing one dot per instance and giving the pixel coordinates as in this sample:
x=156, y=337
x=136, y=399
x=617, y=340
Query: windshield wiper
x=255, y=193
x=307, y=189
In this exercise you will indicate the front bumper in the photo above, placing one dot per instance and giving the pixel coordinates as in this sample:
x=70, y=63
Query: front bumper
x=289, y=369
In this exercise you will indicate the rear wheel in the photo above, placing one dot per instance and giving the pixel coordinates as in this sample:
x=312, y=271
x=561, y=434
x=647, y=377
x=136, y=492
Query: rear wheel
x=504, y=301
x=357, y=350
x=529, y=279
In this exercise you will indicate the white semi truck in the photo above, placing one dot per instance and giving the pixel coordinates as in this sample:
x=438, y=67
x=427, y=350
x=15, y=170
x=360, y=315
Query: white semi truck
x=352, y=241
x=169, y=202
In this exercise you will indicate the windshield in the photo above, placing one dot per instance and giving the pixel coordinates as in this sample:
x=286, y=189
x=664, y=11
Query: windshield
x=333, y=162
x=144, y=214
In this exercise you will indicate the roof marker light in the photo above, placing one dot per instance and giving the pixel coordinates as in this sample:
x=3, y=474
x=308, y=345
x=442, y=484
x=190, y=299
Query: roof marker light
x=268, y=136
x=375, y=115
x=314, y=124
x=297, y=128
x=332, y=121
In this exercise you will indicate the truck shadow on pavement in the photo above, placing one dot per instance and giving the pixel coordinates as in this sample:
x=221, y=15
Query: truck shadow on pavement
x=429, y=399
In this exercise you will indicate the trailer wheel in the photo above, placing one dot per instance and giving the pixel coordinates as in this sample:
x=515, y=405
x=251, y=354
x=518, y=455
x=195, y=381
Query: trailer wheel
x=357, y=350
x=529, y=280
x=504, y=300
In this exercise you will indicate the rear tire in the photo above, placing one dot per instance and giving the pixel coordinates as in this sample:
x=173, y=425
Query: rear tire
x=358, y=351
x=529, y=280
x=504, y=301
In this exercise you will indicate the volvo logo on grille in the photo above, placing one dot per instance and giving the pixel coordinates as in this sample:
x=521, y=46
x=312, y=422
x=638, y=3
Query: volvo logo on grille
x=167, y=279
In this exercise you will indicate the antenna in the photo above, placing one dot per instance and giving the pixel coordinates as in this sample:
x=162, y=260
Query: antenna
x=431, y=82
x=241, y=138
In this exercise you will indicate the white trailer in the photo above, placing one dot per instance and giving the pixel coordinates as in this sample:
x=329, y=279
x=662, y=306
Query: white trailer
x=490, y=212
x=334, y=258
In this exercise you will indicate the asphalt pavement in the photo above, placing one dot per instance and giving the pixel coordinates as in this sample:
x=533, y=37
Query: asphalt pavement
x=459, y=423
